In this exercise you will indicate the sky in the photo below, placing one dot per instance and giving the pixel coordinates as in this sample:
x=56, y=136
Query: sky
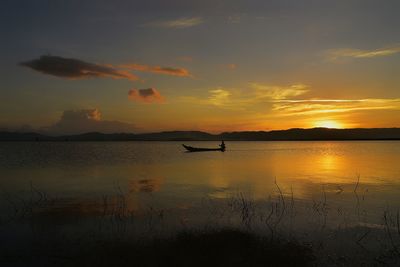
x=223, y=65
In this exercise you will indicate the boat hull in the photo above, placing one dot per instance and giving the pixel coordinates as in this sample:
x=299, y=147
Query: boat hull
x=200, y=149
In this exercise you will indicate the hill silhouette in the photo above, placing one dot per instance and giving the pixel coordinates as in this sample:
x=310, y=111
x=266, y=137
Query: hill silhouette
x=277, y=135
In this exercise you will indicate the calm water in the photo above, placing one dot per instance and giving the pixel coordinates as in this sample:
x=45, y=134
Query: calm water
x=343, y=195
x=163, y=174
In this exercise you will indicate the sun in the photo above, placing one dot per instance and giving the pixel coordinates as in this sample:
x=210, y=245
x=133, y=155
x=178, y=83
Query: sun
x=328, y=124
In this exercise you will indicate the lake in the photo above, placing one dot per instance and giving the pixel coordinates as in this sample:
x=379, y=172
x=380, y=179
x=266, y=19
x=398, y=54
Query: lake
x=164, y=170
x=289, y=186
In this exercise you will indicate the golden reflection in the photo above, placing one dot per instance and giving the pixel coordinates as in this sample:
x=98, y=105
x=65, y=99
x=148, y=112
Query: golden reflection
x=145, y=185
x=329, y=162
x=219, y=181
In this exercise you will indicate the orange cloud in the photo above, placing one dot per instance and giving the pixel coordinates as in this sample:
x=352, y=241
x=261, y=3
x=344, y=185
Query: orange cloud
x=149, y=95
x=160, y=70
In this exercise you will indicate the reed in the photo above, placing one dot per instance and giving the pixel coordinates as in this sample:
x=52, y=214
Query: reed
x=275, y=219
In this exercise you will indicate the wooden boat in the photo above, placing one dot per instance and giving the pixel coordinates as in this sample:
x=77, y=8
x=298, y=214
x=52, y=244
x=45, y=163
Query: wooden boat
x=201, y=149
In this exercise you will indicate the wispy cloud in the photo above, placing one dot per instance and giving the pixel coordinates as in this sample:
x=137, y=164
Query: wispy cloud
x=180, y=23
x=158, y=69
x=324, y=106
x=219, y=97
x=278, y=92
x=254, y=93
x=148, y=95
x=283, y=101
x=359, y=53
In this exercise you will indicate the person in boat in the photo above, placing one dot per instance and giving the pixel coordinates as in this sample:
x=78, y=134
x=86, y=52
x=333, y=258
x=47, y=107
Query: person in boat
x=222, y=145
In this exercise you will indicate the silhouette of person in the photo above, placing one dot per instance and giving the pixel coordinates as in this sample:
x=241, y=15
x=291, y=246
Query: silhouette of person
x=222, y=145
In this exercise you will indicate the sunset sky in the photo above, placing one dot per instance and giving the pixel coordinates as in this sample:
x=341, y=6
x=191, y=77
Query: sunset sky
x=228, y=65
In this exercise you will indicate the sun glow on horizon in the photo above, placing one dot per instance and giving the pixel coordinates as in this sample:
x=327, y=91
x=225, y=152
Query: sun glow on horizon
x=328, y=124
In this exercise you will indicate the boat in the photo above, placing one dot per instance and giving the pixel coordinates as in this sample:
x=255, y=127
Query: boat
x=202, y=149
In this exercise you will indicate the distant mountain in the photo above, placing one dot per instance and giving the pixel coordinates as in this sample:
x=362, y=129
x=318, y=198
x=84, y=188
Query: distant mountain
x=281, y=135
x=177, y=136
x=317, y=134
x=18, y=136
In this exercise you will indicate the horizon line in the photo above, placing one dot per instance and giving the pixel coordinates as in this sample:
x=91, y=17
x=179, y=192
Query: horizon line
x=200, y=131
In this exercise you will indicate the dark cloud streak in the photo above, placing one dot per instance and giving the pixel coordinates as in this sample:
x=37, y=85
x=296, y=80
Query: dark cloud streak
x=78, y=69
x=75, y=68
